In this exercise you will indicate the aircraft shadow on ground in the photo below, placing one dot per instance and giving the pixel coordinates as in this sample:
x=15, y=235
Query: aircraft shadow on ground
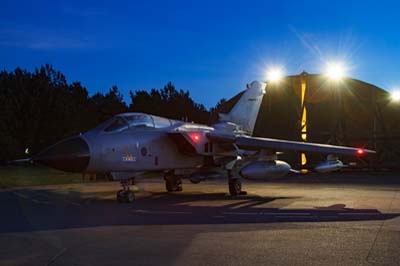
x=49, y=210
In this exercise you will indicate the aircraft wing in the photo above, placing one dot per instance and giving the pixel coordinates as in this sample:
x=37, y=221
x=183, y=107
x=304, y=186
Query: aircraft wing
x=256, y=143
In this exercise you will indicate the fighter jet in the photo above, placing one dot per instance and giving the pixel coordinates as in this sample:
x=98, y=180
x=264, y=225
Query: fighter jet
x=131, y=143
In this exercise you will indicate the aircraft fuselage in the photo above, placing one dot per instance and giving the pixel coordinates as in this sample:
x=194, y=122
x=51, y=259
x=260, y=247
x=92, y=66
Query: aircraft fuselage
x=139, y=149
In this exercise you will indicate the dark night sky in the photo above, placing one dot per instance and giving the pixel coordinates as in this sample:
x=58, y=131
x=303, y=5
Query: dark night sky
x=212, y=48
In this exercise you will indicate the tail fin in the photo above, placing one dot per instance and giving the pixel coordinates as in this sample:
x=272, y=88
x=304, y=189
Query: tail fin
x=244, y=113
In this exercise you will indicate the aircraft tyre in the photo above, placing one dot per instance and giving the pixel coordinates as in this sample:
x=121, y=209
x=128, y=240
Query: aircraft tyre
x=127, y=196
x=130, y=196
x=120, y=195
x=235, y=186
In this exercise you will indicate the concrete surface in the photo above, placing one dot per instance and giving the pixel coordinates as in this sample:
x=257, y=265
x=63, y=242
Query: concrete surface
x=349, y=219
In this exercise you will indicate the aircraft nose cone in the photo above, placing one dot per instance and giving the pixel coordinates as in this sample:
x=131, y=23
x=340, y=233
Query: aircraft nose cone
x=70, y=155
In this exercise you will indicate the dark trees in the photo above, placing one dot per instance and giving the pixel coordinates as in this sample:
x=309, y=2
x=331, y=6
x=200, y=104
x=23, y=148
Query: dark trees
x=37, y=109
x=40, y=108
x=169, y=102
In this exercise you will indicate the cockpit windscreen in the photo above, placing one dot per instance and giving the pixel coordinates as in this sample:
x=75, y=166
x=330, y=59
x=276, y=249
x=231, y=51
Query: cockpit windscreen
x=117, y=124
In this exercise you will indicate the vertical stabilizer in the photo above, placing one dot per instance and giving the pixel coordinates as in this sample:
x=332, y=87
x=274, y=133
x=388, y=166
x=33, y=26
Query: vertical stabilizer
x=244, y=113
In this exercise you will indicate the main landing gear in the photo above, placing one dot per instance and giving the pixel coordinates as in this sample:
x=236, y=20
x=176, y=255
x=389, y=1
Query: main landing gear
x=125, y=194
x=173, y=183
x=235, y=185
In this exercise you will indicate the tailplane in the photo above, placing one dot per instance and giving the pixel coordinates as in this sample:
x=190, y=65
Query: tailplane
x=244, y=113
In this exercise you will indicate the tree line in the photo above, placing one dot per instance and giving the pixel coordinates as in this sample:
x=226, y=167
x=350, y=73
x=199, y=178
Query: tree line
x=40, y=108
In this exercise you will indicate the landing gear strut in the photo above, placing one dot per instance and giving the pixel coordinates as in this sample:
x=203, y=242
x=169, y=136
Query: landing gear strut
x=125, y=194
x=235, y=185
x=172, y=182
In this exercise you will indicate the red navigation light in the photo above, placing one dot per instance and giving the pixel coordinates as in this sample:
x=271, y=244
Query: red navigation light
x=195, y=137
x=360, y=152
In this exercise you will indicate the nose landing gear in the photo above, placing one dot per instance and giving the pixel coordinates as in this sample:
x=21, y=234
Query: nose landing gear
x=172, y=182
x=125, y=194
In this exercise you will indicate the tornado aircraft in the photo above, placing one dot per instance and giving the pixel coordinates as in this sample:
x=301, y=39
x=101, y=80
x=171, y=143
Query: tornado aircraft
x=133, y=143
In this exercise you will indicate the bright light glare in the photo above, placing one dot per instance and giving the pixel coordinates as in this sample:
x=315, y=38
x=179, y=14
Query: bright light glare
x=335, y=70
x=274, y=74
x=395, y=95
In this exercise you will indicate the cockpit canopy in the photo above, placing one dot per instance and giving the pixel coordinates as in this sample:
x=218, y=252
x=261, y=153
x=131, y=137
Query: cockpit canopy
x=137, y=120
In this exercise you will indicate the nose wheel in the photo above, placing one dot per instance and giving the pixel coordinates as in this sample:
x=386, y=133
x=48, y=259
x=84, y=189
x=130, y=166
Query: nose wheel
x=125, y=195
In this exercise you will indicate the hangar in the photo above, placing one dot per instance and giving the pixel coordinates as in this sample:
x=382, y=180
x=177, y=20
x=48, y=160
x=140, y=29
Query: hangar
x=313, y=108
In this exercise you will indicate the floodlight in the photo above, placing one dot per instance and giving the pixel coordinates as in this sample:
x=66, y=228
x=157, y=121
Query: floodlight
x=395, y=95
x=335, y=70
x=274, y=74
